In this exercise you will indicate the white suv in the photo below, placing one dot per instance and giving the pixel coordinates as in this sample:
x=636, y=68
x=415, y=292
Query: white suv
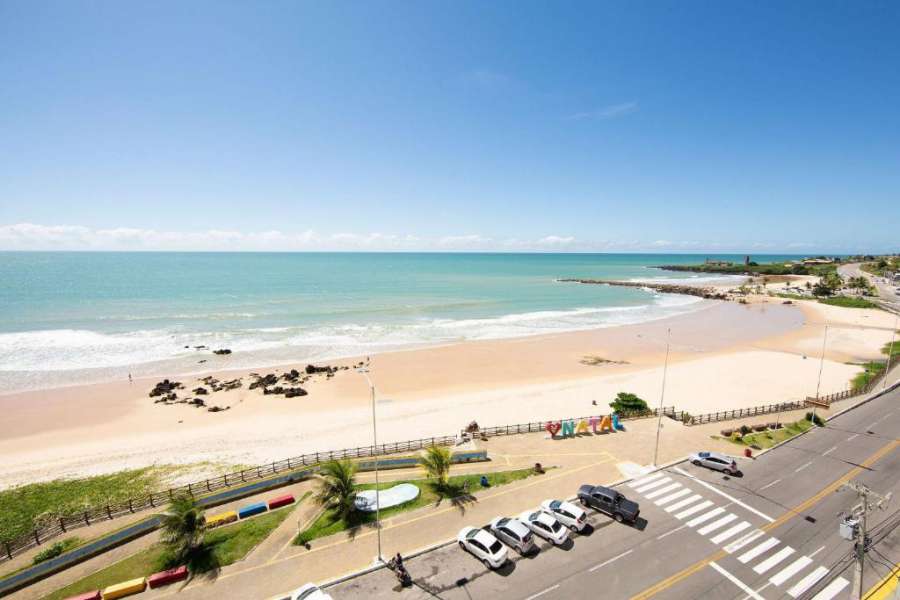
x=545, y=526
x=568, y=514
x=483, y=545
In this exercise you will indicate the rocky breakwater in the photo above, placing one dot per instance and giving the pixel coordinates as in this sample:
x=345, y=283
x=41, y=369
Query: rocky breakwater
x=665, y=288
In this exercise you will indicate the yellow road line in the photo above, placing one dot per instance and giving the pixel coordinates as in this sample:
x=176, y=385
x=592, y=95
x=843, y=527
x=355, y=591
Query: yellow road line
x=832, y=487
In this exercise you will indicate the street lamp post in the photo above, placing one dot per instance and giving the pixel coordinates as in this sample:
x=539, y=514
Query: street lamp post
x=662, y=394
x=821, y=365
x=887, y=369
x=364, y=371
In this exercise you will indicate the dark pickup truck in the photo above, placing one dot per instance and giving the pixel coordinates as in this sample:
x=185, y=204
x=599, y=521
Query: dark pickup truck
x=609, y=501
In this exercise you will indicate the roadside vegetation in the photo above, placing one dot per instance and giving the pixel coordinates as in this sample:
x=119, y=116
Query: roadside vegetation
x=214, y=549
x=754, y=268
x=767, y=435
x=848, y=302
x=881, y=265
x=56, y=549
x=439, y=487
x=872, y=370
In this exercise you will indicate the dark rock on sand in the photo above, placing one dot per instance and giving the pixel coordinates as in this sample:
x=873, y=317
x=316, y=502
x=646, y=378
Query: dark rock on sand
x=222, y=351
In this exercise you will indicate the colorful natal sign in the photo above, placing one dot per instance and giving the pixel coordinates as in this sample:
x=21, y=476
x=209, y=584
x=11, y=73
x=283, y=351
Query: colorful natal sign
x=571, y=428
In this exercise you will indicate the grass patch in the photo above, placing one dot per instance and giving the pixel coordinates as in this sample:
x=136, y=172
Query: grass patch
x=871, y=370
x=224, y=546
x=891, y=349
x=848, y=302
x=770, y=437
x=329, y=523
x=56, y=549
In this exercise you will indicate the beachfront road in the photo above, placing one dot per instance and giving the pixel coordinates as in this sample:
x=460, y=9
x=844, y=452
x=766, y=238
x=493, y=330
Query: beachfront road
x=886, y=292
x=772, y=533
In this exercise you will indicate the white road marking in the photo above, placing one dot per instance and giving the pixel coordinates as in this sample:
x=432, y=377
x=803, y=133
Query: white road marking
x=606, y=562
x=773, y=560
x=671, y=532
x=724, y=495
x=646, y=480
x=706, y=516
x=733, y=531
x=833, y=589
x=650, y=486
x=747, y=539
x=768, y=485
x=674, y=496
x=662, y=490
x=807, y=582
x=683, y=503
x=747, y=590
x=693, y=509
x=717, y=524
x=852, y=437
x=816, y=552
x=757, y=550
x=790, y=570
x=549, y=589
x=829, y=451
x=801, y=467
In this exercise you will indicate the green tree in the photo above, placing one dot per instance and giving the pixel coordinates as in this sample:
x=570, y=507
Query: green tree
x=627, y=403
x=183, y=527
x=337, y=488
x=436, y=462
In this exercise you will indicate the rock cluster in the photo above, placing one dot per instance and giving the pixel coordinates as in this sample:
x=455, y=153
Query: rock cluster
x=218, y=386
x=666, y=288
x=222, y=351
x=166, y=388
x=290, y=392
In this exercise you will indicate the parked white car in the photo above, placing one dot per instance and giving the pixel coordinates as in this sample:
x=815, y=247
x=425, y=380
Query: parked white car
x=715, y=461
x=309, y=592
x=545, y=526
x=483, y=546
x=570, y=515
x=513, y=533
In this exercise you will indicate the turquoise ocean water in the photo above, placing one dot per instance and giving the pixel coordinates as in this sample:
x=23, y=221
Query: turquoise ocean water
x=78, y=317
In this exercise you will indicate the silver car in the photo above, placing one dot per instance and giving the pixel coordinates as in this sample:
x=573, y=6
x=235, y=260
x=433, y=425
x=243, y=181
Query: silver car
x=715, y=461
x=514, y=534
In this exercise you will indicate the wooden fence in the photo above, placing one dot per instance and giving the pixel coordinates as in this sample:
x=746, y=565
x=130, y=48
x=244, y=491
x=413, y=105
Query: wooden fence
x=537, y=426
x=65, y=523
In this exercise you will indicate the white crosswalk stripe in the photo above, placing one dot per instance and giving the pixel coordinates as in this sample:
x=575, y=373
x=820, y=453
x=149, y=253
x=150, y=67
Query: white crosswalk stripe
x=706, y=517
x=730, y=532
x=757, y=550
x=790, y=570
x=717, y=524
x=807, y=582
x=683, y=503
x=662, y=490
x=747, y=539
x=655, y=484
x=673, y=496
x=773, y=560
x=694, y=509
x=832, y=589
x=645, y=480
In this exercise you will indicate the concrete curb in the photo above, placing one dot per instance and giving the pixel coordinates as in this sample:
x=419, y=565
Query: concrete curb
x=452, y=541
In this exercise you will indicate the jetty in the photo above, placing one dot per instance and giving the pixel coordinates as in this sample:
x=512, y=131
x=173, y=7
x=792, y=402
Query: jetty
x=665, y=288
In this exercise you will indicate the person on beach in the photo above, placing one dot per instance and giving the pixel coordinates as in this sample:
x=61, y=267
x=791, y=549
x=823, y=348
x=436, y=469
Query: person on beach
x=129, y=378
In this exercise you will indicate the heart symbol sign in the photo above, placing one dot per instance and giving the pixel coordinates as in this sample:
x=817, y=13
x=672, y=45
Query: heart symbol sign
x=553, y=428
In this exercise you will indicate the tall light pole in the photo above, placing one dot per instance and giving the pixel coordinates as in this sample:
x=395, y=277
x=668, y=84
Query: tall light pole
x=364, y=371
x=887, y=369
x=821, y=365
x=662, y=394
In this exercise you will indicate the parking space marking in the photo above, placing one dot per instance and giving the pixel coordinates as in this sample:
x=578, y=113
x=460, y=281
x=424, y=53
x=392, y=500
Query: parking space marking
x=731, y=532
x=790, y=570
x=807, y=582
x=744, y=587
x=773, y=560
x=757, y=550
x=724, y=495
x=674, y=496
x=717, y=524
x=606, y=562
x=706, y=516
x=694, y=509
x=541, y=593
x=747, y=539
x=683, y=503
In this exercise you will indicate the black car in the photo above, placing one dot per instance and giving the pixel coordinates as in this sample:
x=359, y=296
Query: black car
x=609, y=501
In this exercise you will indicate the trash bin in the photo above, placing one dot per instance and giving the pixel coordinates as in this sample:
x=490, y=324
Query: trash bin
x=748, y=453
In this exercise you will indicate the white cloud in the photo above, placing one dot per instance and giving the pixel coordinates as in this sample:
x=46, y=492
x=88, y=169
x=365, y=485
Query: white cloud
x=612, y=111
x=556, y=241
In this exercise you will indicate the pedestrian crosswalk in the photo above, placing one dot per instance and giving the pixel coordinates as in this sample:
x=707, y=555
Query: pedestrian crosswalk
x=766, y=555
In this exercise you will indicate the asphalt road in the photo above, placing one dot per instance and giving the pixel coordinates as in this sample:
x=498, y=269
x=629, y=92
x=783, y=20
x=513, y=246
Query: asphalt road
x=887, y=293
x=772, y=533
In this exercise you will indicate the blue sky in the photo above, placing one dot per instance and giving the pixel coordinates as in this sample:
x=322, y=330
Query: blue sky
x=636, y=126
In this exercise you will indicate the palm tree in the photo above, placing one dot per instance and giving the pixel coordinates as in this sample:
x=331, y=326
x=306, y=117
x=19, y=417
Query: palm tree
x=183, y=527
x=337, y=489
x=437, y=463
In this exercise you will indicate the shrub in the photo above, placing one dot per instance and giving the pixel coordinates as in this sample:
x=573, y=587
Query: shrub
x=55, y=550
x=745, y=430
x=760, y=427
x=727, y=432
x=628, y=403
x=772, y=425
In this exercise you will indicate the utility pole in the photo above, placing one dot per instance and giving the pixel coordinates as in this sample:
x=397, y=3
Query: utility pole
x=821, y=366
x=855, y=527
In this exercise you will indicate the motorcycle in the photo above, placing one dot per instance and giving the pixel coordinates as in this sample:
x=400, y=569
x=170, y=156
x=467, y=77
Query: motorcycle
x=396, y=565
